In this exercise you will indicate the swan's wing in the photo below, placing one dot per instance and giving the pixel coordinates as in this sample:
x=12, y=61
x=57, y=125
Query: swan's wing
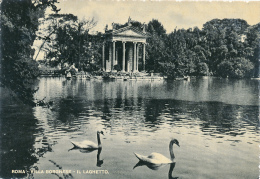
x=141, y=157
x=85, y=144
x=154, y=155
x=159, y=158
x=154, y=158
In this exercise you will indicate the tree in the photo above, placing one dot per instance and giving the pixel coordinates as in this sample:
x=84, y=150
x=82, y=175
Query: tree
x=19, y=23
x=168, y=70
x=53, y=22
x=235, y=68
x=185, y=51
x=156, y=27
x=222, y=38
x=217, y=49
x=71, y=42
x=93, y=53
x=155, y=53
x=252, y=46
x=156, y=46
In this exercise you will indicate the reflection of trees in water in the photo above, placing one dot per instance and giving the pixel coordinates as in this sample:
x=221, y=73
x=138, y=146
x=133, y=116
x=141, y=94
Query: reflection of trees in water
x=137, y=112
x=121, y=105
x=226, y=119
x=157, y=110
x=214, y=117
x=106, y=110
x=124, y=114
x=22, y=141
x=128, y=103
x=18, y=129
x=153, y=111
x=70, y=109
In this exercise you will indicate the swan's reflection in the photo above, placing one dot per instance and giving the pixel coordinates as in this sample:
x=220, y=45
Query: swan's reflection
x=99, y=162
x=171, y=170
x=157, y=166
x=150, y=165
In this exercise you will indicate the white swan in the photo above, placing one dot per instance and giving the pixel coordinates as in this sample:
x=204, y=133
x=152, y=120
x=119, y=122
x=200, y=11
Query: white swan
x=156, y=158
x=86, y=144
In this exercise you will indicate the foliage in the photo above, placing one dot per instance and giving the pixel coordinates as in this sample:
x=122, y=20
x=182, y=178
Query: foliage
x=71, y=43
x=168, y=70
x=155, y=27
x=155, y=53
x=223, y=39
x=235, y=68
x=228, y=47
x=252, y=47
x=185, y=50
x=19, y=22
x=53, y=22
x=156, y=46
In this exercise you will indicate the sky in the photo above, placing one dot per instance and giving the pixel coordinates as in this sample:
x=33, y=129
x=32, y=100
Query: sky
x=172, y=14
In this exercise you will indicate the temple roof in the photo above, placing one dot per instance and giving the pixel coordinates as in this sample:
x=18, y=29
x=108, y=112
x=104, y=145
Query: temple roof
x=128, y=33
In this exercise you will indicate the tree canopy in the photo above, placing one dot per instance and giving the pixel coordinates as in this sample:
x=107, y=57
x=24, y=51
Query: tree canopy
x=19, y=23
x=226, y=48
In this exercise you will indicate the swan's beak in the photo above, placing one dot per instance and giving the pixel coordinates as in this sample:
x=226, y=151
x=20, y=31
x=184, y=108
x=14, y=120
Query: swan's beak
x=178, y=145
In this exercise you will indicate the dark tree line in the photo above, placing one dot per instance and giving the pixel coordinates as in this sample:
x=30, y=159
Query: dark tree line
x=225, y=48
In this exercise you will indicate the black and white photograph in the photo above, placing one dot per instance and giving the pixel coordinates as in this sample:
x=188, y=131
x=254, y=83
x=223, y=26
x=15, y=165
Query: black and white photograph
x=107, y=89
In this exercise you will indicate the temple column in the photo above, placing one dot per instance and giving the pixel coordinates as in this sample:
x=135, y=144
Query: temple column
x=113, y=55
x=137, y=57
x=116, y=61
x=123, y=60
x=134, y=64
x=109, y=62
x=103, y=57
x=144, y=56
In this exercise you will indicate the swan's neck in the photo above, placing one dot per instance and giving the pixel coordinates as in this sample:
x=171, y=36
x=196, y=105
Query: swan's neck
x=98, y=139
x=171, y=150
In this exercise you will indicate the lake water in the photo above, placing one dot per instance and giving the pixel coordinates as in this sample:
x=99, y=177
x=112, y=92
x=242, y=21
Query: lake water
x=214, y=120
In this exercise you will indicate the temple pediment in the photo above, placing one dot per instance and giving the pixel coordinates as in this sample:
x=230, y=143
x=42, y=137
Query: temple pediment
x=130, y=32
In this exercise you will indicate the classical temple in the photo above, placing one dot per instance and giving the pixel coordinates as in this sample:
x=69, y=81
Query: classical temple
x=124, y=49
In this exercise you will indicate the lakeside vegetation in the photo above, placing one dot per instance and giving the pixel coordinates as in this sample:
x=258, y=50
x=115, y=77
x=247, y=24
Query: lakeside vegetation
x=223, y=48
